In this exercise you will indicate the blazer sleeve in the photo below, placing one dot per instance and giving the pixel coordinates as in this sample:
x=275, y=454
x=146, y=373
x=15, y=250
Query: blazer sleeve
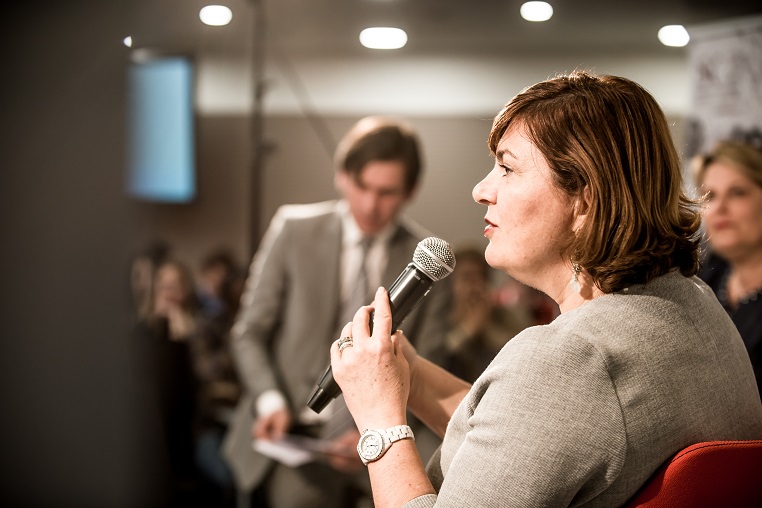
x=536, y=427
x=260, y=310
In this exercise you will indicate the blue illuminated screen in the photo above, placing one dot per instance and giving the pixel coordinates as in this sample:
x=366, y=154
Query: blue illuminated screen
x=161, y=160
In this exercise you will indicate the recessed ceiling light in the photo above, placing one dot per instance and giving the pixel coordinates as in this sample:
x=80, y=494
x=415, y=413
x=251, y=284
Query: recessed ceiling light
x=127, y=41
x=536, y=11
x=215, y=15
x=381, y=37
x=674, y=35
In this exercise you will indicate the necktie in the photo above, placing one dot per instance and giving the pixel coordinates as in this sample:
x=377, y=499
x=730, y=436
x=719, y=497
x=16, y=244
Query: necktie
x=340, y=420
x=358, y=296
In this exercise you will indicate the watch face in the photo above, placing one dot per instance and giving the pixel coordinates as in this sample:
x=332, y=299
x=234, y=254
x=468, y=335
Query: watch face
x=371, y=445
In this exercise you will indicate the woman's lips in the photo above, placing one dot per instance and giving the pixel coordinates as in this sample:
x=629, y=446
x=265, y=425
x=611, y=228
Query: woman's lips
x=488, y=228
x=719, y=226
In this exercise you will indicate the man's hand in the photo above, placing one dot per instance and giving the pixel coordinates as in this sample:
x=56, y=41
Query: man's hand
x=345, y=457
x=273, y=426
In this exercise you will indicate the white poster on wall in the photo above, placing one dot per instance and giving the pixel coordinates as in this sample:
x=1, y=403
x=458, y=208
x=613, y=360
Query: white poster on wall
x=726, y=76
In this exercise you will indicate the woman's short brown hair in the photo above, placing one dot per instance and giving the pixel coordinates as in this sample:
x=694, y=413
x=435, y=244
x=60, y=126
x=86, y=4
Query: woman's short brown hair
x=608, y=135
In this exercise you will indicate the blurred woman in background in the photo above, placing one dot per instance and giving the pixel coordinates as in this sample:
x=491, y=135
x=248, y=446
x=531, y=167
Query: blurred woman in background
x=167, y=384
x=731, y=177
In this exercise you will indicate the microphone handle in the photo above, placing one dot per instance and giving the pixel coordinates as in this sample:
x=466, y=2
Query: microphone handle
x=404, y=296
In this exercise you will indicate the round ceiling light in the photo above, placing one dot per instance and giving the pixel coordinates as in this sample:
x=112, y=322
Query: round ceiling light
x=536, y=11
x=383, y=38
x=215, y=15
x=674, y=35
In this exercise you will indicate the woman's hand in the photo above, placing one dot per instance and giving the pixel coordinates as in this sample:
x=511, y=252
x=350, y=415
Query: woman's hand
x=408, y=350
x=374, y=371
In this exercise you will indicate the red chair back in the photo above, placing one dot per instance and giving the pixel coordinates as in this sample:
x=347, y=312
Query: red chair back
x=714, y=473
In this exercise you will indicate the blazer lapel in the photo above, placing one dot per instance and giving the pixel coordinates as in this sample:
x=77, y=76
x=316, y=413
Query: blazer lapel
x=399, y=257
x=330, y=249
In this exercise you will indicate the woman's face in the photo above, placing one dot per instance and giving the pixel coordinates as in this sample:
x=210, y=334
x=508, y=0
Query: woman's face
x=733, y=215
x=171, y=290
x=528, y=217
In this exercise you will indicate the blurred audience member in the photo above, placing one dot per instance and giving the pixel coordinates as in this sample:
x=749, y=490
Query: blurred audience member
x=175, y=306
x=541, y=308
x=479, y=327
x=219, y=290
x=220, y=284
x=168, y=382
x=142, y=274
x=731, y=177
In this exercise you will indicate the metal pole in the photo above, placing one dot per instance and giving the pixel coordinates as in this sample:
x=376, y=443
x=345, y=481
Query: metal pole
x=257, y=122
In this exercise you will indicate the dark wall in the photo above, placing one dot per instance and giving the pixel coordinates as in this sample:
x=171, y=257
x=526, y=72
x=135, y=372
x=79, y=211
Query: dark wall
x=67, y=406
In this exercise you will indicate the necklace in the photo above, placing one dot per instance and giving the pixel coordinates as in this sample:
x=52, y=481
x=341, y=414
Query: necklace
x=722, y=294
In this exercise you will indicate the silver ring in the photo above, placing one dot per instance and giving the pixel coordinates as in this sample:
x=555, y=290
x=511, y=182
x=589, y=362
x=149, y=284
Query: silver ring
x=345, y=342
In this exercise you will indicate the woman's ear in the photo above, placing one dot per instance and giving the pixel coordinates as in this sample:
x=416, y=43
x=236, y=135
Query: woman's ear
x=581, y=208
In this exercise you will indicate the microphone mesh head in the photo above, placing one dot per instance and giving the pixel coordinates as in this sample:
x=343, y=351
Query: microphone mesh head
x=434, y=256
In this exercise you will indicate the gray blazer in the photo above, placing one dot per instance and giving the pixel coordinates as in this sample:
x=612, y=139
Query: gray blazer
x=582, y=411
x=289, y=317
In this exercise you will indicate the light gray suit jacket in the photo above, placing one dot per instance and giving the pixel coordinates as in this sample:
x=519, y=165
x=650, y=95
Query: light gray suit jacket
x=290, y=311
x=582, y=411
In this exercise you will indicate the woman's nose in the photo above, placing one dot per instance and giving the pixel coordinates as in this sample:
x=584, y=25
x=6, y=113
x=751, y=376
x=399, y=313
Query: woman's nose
x=483, y=192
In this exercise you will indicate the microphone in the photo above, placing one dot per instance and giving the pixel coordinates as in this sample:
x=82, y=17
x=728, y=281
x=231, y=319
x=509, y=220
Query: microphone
x=433, y=260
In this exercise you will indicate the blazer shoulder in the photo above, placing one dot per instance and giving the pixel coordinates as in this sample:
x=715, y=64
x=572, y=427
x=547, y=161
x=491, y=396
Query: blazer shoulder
x=411, y=229
x=307, y=216
x=307, y=211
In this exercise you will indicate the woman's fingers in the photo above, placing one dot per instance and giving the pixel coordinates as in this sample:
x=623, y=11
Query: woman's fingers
x=382, y=315
x=360, y=323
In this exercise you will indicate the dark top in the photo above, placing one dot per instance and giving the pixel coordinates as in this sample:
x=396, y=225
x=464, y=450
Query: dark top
x=747, y=315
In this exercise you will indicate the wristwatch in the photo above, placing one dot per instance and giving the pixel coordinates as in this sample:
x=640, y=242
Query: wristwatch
x=374, y=442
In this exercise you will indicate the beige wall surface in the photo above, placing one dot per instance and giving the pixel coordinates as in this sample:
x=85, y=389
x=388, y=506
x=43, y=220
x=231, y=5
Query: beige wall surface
x=298, y=168
x=219, y=215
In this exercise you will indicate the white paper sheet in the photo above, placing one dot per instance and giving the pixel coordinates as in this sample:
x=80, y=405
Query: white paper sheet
x=294, y=451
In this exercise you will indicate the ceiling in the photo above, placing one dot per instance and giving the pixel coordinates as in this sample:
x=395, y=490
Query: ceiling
x=330, y=28
x=462, y=57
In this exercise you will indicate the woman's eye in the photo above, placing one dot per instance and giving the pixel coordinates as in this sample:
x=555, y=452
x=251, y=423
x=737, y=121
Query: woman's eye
x=506, y=169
